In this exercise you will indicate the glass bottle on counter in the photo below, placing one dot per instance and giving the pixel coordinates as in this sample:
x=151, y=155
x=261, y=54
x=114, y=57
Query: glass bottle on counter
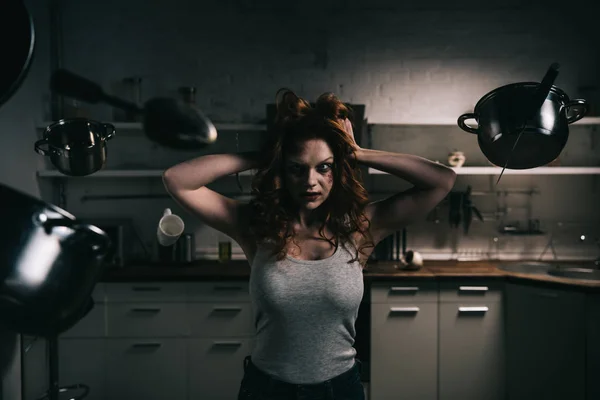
x=224, y=248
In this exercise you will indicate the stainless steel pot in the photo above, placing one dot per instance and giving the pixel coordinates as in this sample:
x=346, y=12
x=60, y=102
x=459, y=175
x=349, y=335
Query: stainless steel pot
x=540, y=114
x=49, y=265
x=77, y=146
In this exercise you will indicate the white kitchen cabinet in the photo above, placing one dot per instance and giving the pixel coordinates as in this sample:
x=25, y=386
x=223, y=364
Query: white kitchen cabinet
x=471, y=341
x=222, y=335
x=161, y=340
x=148, y=368
x=546, y=352
x=404, y=339
x=216, y=367
x=593, y=346
x=146, y=341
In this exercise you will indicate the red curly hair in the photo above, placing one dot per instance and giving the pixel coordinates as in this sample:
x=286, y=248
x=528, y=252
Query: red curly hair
x=273, y=209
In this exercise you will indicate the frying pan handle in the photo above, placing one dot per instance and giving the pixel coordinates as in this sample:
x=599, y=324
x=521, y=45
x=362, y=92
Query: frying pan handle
x=543, y=90
x=581, y=106
x=465, y=127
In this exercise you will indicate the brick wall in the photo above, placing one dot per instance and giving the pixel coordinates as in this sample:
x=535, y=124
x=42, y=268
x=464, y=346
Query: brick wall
x=409, y=64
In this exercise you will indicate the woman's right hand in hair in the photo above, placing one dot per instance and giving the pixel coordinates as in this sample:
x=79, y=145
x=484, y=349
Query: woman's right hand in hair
x=350, y=132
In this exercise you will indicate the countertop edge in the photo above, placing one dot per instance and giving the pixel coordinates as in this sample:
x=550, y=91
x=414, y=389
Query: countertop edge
x=380, y=272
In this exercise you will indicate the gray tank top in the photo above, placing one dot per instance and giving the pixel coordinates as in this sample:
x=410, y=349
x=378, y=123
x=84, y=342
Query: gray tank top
x=305, y=313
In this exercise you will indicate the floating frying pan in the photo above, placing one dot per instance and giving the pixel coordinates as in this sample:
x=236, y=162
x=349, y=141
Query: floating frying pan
x=17, y=39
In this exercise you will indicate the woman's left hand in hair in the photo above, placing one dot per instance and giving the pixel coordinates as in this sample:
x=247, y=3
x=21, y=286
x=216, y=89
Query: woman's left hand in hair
x=350, y=132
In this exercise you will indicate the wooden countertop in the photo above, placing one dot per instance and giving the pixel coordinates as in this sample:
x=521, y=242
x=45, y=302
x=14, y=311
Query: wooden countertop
x=379, y=271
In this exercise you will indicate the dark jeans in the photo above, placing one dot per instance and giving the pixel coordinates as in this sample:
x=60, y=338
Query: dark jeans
x=257, y=385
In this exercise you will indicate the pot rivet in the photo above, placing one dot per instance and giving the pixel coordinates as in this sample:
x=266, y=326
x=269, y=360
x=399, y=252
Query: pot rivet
x=40, y=218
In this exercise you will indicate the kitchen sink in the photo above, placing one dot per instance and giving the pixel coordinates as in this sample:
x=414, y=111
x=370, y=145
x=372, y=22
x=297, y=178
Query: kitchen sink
x=576, y=273
x=529, y=267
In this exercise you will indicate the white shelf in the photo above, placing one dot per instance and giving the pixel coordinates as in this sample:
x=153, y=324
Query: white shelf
x=157, y=173
x=115, y=173
x=588, y=121
x=532, y=171
x=445, y=122
x=134, y=126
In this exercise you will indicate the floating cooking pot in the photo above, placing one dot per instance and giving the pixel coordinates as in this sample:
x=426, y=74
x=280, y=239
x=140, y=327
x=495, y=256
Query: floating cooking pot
x=77, y=146
x=49, y=265
x=538, y=114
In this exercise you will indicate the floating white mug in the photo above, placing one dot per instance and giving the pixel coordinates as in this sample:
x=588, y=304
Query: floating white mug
x=170, y=227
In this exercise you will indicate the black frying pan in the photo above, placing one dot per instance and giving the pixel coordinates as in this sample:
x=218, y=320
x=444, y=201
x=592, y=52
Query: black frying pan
x=17, y=38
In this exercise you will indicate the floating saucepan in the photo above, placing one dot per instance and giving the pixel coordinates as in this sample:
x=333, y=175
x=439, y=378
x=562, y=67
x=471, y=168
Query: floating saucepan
x=76, y=147
x=524, y=125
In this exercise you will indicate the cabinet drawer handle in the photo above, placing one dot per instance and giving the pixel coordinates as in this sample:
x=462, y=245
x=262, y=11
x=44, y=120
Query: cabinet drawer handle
x=227, y=309
x=404, y=289
x=145, y=289
x=227, y=343
x=473, y=309
x=146, y=345
x=404, y=310
x=473, y=289
x=146, y=310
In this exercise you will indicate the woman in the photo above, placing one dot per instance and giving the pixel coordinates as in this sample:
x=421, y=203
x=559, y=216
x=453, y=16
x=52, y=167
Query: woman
x=307, y=234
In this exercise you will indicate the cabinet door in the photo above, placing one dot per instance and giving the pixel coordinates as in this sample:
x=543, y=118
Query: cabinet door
x=404, y=351
x=546, y=343
x=216, y=367
x=83, y=361
x=593, y=347
x=471, y=351
x=148, y=369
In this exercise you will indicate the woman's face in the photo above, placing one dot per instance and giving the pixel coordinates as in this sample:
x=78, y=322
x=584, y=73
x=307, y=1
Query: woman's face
x=309, y=173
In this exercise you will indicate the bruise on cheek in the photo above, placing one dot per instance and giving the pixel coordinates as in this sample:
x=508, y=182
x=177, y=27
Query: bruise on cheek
x=329, y=177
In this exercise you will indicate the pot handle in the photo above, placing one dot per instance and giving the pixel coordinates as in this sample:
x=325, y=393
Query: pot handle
x=110, y=131
x=581, y=106
x=100, y=246
x=465, y=127
x=38, y=147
